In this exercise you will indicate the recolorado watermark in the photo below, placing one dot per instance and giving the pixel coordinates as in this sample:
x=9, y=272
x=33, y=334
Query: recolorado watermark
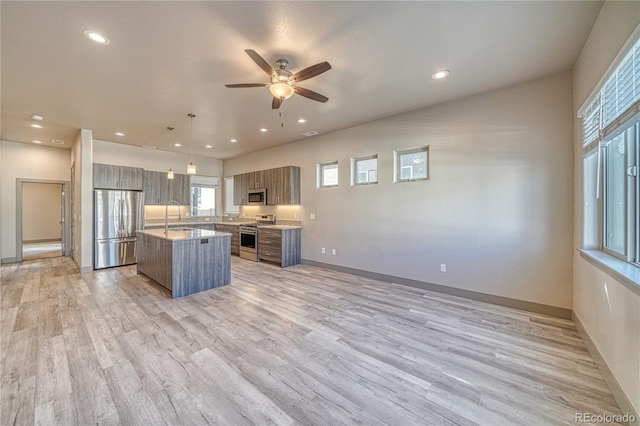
x=604, y=418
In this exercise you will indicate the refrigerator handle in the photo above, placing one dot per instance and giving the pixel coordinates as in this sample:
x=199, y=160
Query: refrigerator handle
x=121, y=218
x=116, y=217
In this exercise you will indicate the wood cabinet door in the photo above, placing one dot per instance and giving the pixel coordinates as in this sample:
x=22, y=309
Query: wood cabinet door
x=270, y=245
x=156, y=188
x=180, y=189
x=271, y=178
x=257, y=180
x=284, y=185
x=106, y=176
x=241, y=185
x=130, y=178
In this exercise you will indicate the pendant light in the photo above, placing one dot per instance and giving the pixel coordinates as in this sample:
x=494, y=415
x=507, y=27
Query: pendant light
x=170, y=172
x=191, y=168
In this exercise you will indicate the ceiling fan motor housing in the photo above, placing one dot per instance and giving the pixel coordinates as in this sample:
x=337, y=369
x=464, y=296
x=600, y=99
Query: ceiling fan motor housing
x=281, y=74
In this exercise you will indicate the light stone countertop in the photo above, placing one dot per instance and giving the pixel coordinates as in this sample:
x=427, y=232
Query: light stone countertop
x=184, y=234
x=152, y=225
x=279, y=227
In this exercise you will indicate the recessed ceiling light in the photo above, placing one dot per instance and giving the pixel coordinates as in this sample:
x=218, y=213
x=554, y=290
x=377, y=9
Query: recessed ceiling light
x=301, y=120
x=439, y=75
x=96, y=36
x=57, y=142
x=177, y=144
x=208, y=146
x=263, y=130
x=233, y=140
x=36, y=141
x=37, y=117
x=119, y=134
x=37, y=126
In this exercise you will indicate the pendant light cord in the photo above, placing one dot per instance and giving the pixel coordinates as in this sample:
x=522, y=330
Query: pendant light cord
x=191, y=116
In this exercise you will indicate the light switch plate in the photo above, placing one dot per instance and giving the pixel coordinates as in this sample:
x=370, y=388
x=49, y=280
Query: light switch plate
x=312, y=216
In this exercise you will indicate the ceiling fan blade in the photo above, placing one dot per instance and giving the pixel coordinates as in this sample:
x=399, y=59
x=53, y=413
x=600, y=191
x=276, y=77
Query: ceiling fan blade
x=310, y=94
x=275, y=104
x=309, y=72
x=234, y=86
x=261, y=62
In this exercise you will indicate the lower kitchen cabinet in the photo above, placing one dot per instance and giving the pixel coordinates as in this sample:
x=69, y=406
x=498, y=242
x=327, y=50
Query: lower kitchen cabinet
x=234, y=230
x=154, y=259
x=279, y=245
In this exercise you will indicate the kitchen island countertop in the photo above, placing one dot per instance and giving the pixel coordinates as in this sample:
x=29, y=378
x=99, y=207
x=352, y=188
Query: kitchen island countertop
x=184, y=233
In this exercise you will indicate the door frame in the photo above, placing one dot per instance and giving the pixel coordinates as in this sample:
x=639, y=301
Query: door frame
x=65, y=214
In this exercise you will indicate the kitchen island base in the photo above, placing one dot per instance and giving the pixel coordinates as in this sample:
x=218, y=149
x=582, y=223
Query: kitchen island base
x=185, y=261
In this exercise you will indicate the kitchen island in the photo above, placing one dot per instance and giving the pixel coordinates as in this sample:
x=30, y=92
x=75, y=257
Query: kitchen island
x=186, y=260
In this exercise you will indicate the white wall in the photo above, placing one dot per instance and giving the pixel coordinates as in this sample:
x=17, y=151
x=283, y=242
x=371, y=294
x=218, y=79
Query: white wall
x=82, y=221
x=41, y=211
x=25, y=161
x=497, y=209
x=155, y=160
x=609, y=311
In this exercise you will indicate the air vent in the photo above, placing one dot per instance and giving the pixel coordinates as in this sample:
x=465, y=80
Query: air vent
x=57, y=142
x=310, y=133
x=147, y=147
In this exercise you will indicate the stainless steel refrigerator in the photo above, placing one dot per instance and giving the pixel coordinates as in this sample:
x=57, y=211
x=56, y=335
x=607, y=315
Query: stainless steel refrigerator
x=117, y=215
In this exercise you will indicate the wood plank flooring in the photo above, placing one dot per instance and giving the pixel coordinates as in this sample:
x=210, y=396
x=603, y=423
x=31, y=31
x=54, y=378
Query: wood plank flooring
x=301, y=345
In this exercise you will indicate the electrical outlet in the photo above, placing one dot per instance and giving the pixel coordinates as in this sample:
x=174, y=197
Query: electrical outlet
x=333, y=252
x=443, y=267
x=295, y=216
x=312, y=216
x=322, y=250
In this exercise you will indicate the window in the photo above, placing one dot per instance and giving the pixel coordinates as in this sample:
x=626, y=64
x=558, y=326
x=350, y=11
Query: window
x=328, y=174
x=203, y=195
x=412, y=164
x=364, y=170
x=620, y=195
x=611, y=141
x=229, y=207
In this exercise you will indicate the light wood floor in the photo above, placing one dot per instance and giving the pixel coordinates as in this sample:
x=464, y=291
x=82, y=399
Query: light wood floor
x=296, y=346
x=31, y=251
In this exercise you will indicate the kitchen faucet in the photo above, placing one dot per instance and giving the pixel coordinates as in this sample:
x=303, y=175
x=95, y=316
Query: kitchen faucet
x=166, y=215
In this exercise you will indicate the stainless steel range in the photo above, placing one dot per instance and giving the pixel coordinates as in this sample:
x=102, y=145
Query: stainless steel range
x=249, y=236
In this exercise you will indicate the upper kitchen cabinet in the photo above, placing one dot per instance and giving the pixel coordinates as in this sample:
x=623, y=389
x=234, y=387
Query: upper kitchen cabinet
x=158, y=190
x=282, y=185
x=240, y=188
x=107, y=176
x=179, y=189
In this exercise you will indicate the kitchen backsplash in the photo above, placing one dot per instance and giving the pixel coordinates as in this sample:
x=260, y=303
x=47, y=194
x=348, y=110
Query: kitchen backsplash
x=213, y=219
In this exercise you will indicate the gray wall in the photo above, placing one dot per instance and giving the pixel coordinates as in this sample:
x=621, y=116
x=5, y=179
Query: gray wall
x=497, y=209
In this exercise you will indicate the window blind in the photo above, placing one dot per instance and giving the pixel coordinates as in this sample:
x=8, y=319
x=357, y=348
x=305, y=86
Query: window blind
x=204, y=181
x=617, y=103
x=623, y=87
x=591, y=122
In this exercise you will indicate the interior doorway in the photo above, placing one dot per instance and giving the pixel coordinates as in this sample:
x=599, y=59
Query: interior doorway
x=41, y=219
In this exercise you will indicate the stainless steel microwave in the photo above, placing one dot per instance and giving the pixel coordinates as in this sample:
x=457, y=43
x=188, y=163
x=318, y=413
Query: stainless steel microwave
x=257, y=197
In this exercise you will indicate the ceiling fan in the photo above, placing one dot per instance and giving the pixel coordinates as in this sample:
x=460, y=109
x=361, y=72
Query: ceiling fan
x=283, y=81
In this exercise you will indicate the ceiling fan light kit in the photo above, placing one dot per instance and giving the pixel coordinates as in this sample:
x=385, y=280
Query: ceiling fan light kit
x=283, y=82
x=281, y=90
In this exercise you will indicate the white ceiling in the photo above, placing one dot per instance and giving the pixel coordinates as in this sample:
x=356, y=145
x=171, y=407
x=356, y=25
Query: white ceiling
x=168, y=59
